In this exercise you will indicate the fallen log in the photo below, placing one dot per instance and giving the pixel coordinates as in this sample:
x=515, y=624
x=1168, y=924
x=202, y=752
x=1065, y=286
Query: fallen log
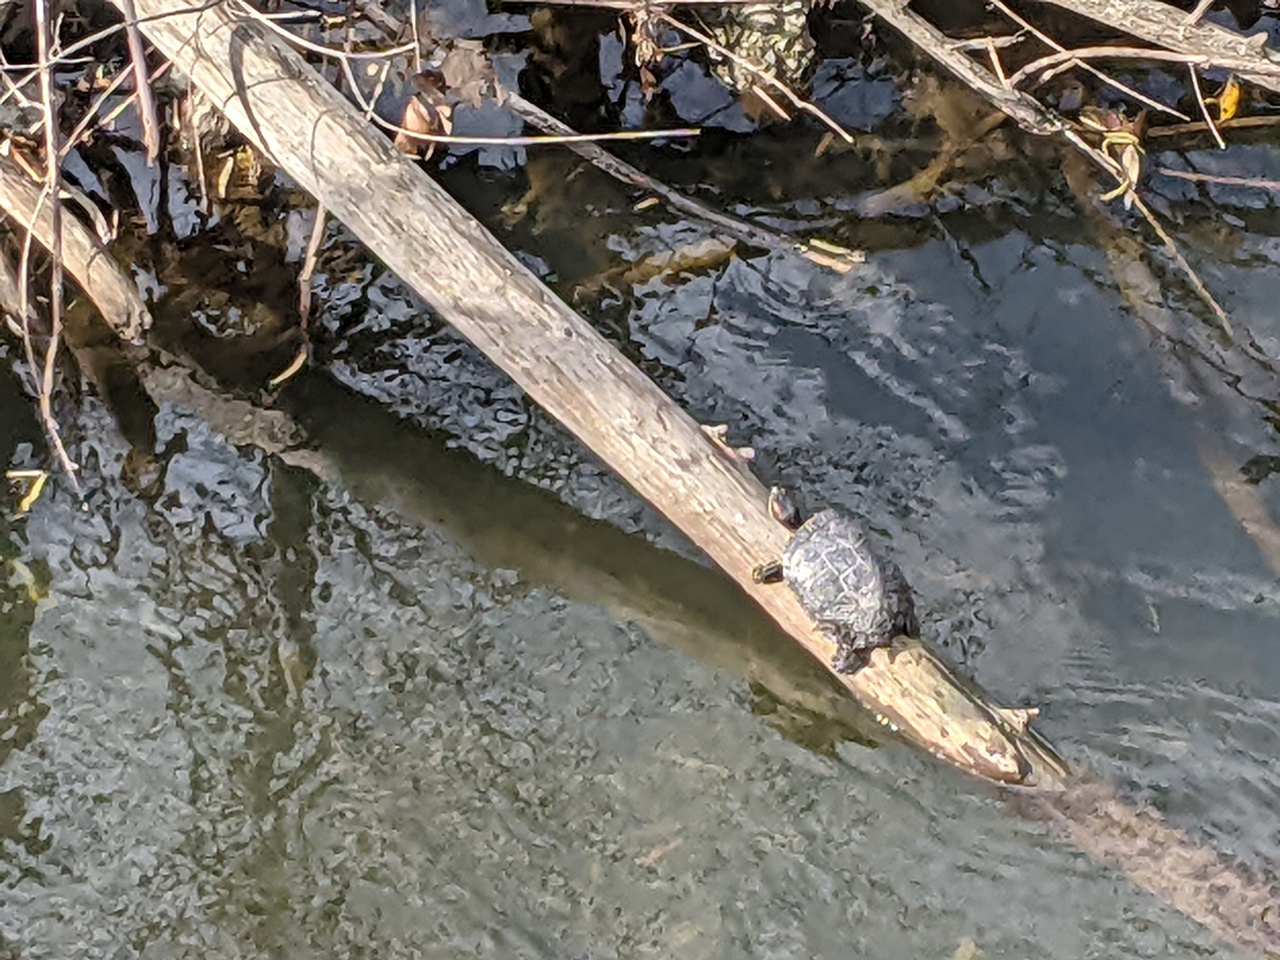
x=116, y=298
x=1193, y=878
x=408, y=220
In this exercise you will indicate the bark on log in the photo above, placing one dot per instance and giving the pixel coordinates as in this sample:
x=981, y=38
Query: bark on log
x=1166, y=26
x=408, y=220
x=111, y=291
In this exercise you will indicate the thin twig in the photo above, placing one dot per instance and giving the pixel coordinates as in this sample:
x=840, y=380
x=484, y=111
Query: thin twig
x=344, y=55
x=1259, y=183
x=43, y=44
x=1201, y=9
x=1199, y=285
x=87, y=120
x=986, y=43
x=146, y=102
x=1204, y=108
x=1196, y=126
x=309, y=268
x=417, y=41
x=536, y=141
x=189, y=118
x=994, y=55
x=1049, y=61
x=1104, y=77
x=24, y=291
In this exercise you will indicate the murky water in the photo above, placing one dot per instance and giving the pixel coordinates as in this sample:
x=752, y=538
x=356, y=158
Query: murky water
x=412, y=675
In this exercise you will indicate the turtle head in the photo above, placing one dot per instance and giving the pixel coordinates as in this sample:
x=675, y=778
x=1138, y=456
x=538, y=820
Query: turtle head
x=783, y=508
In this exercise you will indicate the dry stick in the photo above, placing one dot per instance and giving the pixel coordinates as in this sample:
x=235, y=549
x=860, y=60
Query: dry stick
x=1236, y=123
x=146, y=102
x=52, y=183
x=994, y=56
x=1104, y=77
x=1201, y=9
x=1031, y=115
x=1024, y=109
x=411, y=223
x=986, y=43
x=1066, y=58
x=828, y=255
x=304, y=300
x=1204, y=107
x=1256, y=182
x=799, y=102
x=87, y=120
x=743, y=230
x=65, y=57
x=1166, y=26
x=24, y=292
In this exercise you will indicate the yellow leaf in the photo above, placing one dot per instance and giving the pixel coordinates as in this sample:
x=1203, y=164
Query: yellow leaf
x=1131, y=160
x=1229, y=99
x=29, y=501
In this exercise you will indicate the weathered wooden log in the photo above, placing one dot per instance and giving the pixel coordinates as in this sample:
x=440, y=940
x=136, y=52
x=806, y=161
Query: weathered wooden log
x=110, y=290
x=408, y=220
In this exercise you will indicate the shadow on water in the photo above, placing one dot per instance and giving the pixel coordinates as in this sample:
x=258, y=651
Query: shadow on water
x=503, y=524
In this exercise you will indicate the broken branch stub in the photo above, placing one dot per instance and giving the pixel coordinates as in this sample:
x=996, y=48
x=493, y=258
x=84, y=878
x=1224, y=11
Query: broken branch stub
x=411, y=223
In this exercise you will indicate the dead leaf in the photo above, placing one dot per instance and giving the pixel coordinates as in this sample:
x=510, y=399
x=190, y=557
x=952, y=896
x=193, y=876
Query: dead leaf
x=468, y=74
x=1131, y=161
x=427, y=112
x=1229, y=99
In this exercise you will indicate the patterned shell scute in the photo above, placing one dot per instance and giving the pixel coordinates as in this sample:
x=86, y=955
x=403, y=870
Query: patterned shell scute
x=774, y=36
x=839, y=578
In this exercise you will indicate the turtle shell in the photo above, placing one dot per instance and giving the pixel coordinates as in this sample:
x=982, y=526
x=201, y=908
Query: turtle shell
x=841, y=580
x=774, y=36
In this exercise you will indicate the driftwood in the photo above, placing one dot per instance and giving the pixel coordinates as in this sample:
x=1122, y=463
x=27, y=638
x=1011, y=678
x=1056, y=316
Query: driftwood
x=111, y=291
x=305, y=126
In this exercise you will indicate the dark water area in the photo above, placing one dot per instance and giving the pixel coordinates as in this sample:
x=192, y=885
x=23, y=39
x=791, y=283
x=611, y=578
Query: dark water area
x=384, y=664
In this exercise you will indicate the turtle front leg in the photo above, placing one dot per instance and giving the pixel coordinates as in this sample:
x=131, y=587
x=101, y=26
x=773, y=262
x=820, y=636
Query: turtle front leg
x=770, y=572
x=853, y=651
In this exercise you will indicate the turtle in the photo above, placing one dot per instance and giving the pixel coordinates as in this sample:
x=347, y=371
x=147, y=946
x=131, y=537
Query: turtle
x=773, y=36
x=857, y=595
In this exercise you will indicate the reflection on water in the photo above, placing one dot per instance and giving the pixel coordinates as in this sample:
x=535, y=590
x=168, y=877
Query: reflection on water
x=362, y=696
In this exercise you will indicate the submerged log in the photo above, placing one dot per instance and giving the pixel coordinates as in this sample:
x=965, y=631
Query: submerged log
x=408, y=220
